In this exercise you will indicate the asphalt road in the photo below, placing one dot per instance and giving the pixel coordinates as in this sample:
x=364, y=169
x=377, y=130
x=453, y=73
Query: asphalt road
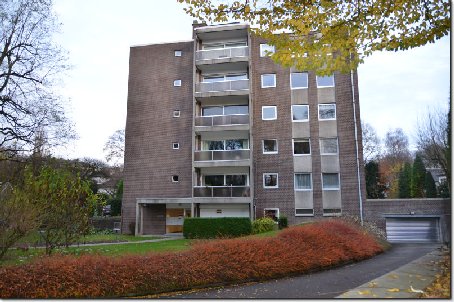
x=325, y=284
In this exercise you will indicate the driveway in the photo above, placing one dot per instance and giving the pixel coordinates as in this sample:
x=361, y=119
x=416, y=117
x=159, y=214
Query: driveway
x=325, y=284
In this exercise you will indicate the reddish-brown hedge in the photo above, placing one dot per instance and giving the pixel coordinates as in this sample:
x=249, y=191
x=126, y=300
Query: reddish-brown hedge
x=294, y=251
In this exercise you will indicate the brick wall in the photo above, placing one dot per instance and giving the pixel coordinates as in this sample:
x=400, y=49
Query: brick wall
x=154, y=219
x=151, y=128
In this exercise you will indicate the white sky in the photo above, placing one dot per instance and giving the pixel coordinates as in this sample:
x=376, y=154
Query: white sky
x=395, y=87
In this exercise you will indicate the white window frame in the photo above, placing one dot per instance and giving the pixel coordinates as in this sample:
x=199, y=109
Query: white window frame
x=338, y=180
x=173, y=178
x=300, y=215
x=337, y=145
x=320, y=86
x=175, y=145
x=299, y=140
x=266, y=74
x=277, y=181
x=224, y=76
x=225, y=179
x=275, y=113
x=176, y=113
x=223, y=110
x=296, y=88
x=294, y=181
x=268, y=152
x=177, y=83
x=178, y=53
x=300, y=121
x=224, y=142
x=272, y=209
x=327, y=119
x=263, y=51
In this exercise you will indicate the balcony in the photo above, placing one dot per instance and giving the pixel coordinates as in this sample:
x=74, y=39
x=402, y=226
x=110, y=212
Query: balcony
x=219, y=158
x=222, y=88
x=222, y=122
x=222, y=192
x=222, y=55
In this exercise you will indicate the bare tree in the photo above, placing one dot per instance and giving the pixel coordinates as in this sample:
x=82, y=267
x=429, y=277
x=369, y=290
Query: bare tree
x=432, y=139
x=115, y=147
x=371, y=143
x=29, y=65
x=396, y=143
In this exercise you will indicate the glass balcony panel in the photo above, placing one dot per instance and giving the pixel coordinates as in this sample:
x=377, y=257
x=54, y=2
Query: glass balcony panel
x=224, y=191
x=203, y=155
x=202, y=192
x=231, y=155
x=222, y=120
x=222, y=86
x=221, y=53
x=221, y=192
x=241, y=191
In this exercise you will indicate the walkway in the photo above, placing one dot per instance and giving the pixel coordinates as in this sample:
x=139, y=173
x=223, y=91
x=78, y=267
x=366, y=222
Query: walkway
x=333, y=283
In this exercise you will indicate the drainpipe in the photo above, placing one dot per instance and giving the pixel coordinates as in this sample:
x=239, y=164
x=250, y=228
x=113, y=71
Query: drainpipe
x=357, y=150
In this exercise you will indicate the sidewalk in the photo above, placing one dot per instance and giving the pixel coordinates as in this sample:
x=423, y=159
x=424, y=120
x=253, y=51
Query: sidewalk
x=405, y=282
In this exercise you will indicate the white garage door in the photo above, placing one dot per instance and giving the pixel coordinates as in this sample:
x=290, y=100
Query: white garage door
x=412, y=229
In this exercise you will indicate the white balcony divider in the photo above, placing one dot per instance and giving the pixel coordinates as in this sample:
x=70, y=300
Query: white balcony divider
x=222, y=191
x=213, y=155
x=222, y=86
x=222, y=120
x=212, y=54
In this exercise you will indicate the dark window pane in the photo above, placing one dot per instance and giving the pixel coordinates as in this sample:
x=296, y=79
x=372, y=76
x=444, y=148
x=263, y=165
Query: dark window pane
x=270, y=180
x=269, y=145
x=208, y=111
x=215, y=145
x=235, y=180
x=214, y=180
x=301, y=147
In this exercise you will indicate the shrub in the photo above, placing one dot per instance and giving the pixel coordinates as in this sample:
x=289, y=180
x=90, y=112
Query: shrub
x=216, y=227
x=296, y=250
x=282, y=222
x=262, y=225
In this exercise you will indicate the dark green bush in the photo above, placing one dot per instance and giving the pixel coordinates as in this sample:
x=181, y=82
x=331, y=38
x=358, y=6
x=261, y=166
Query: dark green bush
x=216, y=227
x=262, y=225
x=282, y=222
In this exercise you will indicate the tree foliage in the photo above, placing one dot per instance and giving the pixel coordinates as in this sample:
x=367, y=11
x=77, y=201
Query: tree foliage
x=115, y=147
x=405, y=181
x=374, y=187
x=352, y=30
x=418, y=177
x=31, y=114
x=430, y=188
x=371, y=143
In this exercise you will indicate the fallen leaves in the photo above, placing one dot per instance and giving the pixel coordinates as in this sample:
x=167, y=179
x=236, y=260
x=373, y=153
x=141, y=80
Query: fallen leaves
x=441, y=287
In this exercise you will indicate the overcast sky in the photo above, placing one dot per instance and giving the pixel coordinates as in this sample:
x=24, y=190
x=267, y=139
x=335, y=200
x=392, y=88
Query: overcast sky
x=395, y=87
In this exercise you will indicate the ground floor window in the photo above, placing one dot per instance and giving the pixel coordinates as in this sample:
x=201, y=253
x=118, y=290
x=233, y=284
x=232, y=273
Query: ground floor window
x=272, y=213
x=270, y=180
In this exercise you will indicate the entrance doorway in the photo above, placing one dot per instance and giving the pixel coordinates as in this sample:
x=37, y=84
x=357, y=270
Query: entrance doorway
x=175, y=219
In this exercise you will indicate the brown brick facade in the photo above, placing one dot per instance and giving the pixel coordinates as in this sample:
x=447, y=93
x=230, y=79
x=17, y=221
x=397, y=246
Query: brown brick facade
x=151, y=128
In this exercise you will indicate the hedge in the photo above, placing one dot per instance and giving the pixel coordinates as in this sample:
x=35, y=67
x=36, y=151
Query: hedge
x=203, y=228
x=295, y=250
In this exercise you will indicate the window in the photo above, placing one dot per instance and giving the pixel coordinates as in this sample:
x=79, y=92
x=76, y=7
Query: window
x=300, y=113
x=229, y=144
x=232, y=44
x=304, y=212
x=174, y=178
x=327, y=111
x=235, y=180
x=272, y=213
x=214, y=180
x=269, y=146
x=176, y=146
x=225, y=110
x=266, y=50
x=303, y=181
x=224, y=77
x=212, y=110
x=328, y=146
x=178, y=53
x=330, y=181
x=270, y=180
x=327, y=81
x=177, y=83
x=269, y=113
x=239, y=180
x=268, y=80
x=301, y=147
x=176, y=113
x=298, y=80
x=332, y=212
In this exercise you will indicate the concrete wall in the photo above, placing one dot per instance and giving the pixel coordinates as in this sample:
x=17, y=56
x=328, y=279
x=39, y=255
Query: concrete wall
x=375, y=210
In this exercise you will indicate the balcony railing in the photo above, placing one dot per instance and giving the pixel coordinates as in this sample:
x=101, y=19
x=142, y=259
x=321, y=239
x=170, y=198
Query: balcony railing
x=222, y=86
x=221, y=155
x=222, y=191
x=222, y=120
x=212, y=54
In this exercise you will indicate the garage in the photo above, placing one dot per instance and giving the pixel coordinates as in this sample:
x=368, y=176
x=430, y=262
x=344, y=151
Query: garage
x=413, y=229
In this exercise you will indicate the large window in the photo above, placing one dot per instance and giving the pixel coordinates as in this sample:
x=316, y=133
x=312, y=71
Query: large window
x=269, y=146
x=301, y=147
x=298, y=80
x=328, y=146
x=236, y=180
x=303, y=181
x=300, y=113
x=266, y=50
x=327, y=111
x=224, y=77
x=269, y=113
x=225, y=110
x=221, y=45
x=327, y=81
x=268, y=80
x=229, y=144
x=270, y=180
x=330, y=181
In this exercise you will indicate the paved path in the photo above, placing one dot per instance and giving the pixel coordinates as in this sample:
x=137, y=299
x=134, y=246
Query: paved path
x=325, y=284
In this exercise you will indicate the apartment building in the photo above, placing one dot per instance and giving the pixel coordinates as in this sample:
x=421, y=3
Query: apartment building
x=216, y=129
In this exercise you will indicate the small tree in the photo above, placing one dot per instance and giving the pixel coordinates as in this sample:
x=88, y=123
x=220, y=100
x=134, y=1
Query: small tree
x=418, y=175
x=65, y=203
x=374, y=188
x=405, y=181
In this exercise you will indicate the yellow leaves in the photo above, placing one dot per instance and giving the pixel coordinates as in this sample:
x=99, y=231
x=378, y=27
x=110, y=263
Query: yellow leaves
x=393, y=290
x=364, y=292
